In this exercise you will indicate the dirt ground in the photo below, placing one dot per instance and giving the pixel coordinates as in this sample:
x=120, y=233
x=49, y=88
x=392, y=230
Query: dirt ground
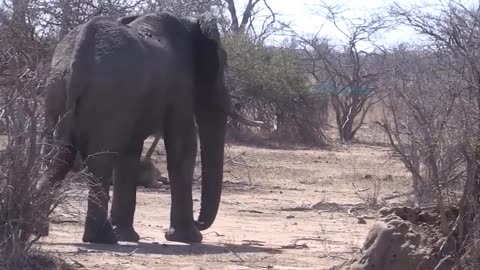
x=281, y=209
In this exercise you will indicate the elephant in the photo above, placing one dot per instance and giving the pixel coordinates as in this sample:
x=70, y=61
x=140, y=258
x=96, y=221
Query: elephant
x=122, y=81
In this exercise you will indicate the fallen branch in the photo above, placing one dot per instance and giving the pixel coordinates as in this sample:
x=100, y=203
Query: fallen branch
x=126, y=255
x=250, y=211
x=64, y=221
x=295, y=246
x=236, y=255
x=398, y=195
x=234, y=157
x=443, y=261
x=241, y=164
x=253, y=243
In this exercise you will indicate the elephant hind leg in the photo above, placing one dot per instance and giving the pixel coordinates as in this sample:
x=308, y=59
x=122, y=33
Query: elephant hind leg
x=57, y=168
x=127, y=173
x=98, y=228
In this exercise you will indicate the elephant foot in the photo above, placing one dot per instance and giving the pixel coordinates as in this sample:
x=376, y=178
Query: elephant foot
x=185, y=235
x=100, y=233
x=126, y=234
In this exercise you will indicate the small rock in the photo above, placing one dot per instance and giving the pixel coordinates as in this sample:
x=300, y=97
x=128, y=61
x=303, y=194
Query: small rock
x=361, y=220
x=388, y=178
x=290, y=216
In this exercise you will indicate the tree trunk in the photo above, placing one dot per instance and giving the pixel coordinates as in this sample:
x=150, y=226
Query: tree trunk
x=65, y=18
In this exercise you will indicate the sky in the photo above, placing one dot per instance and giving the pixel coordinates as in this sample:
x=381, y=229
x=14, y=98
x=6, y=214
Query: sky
x=303, y=15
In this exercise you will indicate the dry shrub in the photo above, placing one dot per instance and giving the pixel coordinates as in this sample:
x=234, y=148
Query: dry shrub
x=18, y=205
x=19, y=164
x=20, y=168
x=471, y=257
x=21, y=209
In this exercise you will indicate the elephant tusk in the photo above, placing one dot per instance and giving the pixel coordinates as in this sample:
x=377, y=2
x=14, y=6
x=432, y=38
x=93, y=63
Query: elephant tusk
x=245, y=121
x=235, y=115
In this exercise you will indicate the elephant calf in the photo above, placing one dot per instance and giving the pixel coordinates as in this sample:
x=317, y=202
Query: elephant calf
x=116, y=82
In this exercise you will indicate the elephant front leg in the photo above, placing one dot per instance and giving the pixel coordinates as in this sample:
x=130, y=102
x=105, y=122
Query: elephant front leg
x=98, y=228
x=180, y=144
x=124, y=196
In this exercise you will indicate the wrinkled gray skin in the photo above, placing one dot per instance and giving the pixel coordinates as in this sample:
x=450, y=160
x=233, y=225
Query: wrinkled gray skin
x=160, y=74
x=150, y=176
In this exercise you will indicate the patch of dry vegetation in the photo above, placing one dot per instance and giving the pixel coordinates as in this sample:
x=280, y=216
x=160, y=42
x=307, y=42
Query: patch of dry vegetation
x=20, y=204
x=403, y=238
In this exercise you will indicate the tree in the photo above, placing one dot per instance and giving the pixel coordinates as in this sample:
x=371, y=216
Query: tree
x=267, y=83
x=185, y=7
x=453, y=30
x=349, y=75
x=248, y=23
x=421, y=125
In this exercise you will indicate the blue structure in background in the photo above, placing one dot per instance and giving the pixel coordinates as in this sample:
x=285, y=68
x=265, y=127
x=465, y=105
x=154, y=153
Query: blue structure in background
x=327, y=88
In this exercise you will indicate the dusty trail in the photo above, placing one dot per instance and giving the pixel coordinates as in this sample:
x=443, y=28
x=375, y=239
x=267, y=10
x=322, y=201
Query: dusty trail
x=281, y=209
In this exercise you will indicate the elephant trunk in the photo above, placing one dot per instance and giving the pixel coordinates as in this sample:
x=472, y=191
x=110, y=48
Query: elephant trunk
x=212, y=128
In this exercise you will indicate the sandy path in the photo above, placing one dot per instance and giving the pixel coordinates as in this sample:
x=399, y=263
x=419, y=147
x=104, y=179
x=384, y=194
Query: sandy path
x=265, y=220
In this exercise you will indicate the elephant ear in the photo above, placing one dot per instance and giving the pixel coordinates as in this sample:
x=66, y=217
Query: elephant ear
x=210, y=59
x=127, y=19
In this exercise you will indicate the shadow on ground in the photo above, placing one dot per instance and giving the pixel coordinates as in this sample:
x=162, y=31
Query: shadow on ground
x=164, y=249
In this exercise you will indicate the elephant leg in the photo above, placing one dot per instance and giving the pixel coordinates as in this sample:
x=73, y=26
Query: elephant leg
x=181, y=145
x=98, y=228
x=126, y=176
x=57, y=169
